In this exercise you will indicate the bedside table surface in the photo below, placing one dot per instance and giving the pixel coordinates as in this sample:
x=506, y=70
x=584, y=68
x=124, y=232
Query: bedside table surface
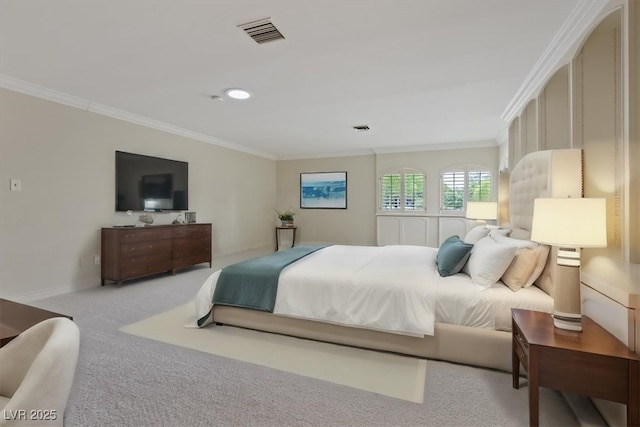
x=538, y=329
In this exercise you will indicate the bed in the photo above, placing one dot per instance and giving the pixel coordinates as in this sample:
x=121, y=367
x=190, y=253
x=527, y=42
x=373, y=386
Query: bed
x=393, y=298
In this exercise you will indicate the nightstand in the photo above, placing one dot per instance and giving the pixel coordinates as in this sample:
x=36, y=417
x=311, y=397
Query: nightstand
x=592, y=362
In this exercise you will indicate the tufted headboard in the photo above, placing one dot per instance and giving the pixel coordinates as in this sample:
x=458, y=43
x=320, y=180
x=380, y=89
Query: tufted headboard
x=550, y=173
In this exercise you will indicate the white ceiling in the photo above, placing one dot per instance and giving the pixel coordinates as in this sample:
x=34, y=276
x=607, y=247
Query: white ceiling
x=419, y=73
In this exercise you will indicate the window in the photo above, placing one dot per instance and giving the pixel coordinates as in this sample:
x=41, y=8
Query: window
x=402, y=190
x=462, y=184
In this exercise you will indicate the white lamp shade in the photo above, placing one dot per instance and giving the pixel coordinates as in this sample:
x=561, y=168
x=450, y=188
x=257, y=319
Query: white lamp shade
x=482, y=210
x=570, y=222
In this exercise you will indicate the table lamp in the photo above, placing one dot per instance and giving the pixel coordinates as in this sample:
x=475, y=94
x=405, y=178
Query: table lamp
x=482, y=211
x=569, y=224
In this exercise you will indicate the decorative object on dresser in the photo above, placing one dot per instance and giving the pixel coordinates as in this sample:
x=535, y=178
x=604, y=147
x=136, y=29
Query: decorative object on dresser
x=591, y=363
x=482, y=211
x=570, y=223
x=128, y=253
x=190, y=217
x=146, y=219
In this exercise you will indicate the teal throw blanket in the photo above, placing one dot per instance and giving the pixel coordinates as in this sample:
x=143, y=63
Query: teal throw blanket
x=254, y=283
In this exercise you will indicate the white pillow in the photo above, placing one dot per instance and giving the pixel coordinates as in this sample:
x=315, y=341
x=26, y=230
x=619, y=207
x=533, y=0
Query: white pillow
x=476, y=233
x=499, y=232
x=518, y=243
x=488, y=261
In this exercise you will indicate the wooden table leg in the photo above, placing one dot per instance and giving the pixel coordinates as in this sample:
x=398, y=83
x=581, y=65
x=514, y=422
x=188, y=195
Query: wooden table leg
x=532, y=371
x=515, y=365
x=633, y=405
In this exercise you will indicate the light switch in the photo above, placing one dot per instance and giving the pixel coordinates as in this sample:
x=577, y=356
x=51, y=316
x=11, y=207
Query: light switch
x=16, y=184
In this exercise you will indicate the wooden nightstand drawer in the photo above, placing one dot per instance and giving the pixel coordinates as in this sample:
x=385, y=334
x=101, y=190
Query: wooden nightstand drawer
x=523, y=356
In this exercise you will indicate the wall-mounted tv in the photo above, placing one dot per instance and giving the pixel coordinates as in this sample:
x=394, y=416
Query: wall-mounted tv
x=145, y=183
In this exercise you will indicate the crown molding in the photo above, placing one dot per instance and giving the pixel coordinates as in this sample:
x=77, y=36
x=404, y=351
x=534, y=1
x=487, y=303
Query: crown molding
x=579, y=21
x=504, y=136
x=17, y=85
x=437, y=147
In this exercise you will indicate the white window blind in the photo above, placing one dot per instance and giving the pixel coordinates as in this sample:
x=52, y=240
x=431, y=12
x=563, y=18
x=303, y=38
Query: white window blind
x=480, y=186
x=391, y=189
x=402, y=190
x=414, y=191
x=462, y=184
x=453, y=186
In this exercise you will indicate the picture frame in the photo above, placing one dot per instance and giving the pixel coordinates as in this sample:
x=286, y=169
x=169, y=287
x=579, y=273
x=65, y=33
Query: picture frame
x=323, y=190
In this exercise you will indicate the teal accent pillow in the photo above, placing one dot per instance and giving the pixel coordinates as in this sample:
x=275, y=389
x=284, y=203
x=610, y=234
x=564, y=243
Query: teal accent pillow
x=452, y=256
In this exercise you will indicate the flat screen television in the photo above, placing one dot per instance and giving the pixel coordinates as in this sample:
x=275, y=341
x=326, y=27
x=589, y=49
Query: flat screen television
x=145, y=183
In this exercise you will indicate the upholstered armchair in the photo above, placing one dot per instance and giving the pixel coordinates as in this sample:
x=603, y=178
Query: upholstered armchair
x=36, y=373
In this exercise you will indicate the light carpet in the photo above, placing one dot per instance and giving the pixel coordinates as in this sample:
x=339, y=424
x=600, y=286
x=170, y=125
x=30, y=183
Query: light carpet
x=383, y=373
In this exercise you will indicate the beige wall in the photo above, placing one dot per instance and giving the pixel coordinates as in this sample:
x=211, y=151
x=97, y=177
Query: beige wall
x=65, y=159
x=357, y=224
x=433, y=163
x=354, y=225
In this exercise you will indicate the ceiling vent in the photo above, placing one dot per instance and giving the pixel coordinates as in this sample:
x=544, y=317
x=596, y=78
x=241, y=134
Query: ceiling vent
x=361, y=128
x=262, y=31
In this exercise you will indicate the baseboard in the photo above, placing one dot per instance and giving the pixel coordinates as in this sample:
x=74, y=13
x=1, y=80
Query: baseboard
x=222, y=260
x=28, y=297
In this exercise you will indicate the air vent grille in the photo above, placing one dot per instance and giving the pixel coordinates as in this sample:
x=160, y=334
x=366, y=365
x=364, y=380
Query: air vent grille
x=262, y=31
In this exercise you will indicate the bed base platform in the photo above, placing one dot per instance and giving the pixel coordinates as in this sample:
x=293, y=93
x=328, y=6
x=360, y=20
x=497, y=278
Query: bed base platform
x=460, y=344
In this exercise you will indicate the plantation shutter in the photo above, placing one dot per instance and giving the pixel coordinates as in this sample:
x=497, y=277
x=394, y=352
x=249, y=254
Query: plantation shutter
x=414, y=191
x=453, y=189
x=480, y=186
x=390, y=191
x=402, y=190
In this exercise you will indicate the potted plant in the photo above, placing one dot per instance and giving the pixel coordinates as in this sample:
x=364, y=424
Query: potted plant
x=286, y=217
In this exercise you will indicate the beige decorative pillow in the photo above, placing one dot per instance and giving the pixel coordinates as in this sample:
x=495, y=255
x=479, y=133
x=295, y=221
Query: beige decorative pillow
x=521, y=268
x=543, y=254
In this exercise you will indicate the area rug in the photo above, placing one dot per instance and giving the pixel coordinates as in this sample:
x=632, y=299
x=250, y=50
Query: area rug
x=383, y=373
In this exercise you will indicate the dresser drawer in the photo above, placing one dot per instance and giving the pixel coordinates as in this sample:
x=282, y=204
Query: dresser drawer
x=182, y=244
x=148, y=247
x=145, y=234
x=188, y=261
x=127, y=261
x=192, y=230
x=144, y=269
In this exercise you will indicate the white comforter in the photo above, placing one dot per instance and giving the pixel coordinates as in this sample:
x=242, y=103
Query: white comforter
x=389, y=288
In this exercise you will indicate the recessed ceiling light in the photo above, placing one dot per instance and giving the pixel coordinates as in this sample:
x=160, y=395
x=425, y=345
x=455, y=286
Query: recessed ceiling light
x=237, y=93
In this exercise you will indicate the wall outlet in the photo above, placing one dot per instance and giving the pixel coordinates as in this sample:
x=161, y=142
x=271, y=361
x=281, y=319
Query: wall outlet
x=16, y=184
x=96, y=260
x=81, y=263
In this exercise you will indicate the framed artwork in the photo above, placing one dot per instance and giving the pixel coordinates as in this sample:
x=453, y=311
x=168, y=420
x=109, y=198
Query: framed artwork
x=323, y=190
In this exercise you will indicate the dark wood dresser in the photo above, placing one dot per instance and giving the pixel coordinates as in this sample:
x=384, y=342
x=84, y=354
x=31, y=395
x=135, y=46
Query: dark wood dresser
x=128, y=253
